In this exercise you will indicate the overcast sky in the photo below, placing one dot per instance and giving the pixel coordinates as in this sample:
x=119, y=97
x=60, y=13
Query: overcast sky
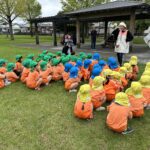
x=50, y=7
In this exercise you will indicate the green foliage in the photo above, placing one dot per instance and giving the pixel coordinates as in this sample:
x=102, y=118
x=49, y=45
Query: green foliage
x=11, y=9
x=71, y=5
x=32, y=9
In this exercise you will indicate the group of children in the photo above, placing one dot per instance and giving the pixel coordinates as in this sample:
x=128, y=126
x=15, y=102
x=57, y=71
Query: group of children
x=106, y=82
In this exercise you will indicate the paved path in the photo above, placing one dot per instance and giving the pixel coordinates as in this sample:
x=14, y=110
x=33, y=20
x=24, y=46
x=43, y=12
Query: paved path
x=142, y=51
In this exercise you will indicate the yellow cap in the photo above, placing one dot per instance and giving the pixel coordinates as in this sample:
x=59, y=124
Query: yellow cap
x=145, y=81
x=107, y=72
x=147, y=66
x=84, y=93
x=122, y=99
x=123, y=71
x=128, y=67
x=135, y=90
x=133, y=60
x=116, y=75
x=146, y=72
x=98, y=83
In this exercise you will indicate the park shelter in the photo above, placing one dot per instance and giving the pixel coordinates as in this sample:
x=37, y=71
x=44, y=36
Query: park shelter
x=112, y=11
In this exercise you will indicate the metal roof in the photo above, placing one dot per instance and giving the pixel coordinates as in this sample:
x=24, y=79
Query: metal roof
x=110, y=6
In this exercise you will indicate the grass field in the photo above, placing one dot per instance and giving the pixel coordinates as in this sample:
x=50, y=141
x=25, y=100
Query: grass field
x=31, y=120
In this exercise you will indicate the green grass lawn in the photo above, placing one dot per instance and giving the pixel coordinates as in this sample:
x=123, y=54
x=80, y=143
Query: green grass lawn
x=31, y=120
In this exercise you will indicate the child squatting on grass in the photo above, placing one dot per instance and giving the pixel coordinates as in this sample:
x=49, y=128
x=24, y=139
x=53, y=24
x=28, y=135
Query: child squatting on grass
x=106, y=81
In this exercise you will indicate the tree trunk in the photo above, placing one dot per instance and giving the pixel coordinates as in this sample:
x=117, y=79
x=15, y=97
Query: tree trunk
x=10, y=28
x=31, y=30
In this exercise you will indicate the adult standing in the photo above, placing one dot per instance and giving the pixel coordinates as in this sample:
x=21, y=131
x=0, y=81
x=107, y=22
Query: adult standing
x=93, y=38
x=147, y=37
x=122, y=39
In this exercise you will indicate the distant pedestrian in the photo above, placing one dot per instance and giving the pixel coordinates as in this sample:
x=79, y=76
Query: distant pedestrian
x=93, y=38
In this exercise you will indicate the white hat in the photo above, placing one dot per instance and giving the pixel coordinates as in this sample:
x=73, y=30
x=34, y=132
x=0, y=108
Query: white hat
x=123, y=24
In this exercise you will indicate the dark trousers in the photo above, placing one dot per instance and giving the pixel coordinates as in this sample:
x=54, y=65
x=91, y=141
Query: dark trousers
x=120, y=58
x=93, y=44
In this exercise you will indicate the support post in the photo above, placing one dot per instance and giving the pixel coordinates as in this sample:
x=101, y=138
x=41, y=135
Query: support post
x=36, y=34
x=54, y=34
x=132, y=27
x=82, y=33
x=105, y=32
x=78, y=32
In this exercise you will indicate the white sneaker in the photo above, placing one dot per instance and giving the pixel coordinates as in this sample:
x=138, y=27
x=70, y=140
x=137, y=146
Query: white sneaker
x=74, y=90
x=100, y=109
x=7, y=83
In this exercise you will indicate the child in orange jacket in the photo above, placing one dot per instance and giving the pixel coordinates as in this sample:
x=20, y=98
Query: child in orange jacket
x=86, y=70
x=129, y=71
x=18, y=66
x=45, y=73
x=110, y=86
x=83, y=107
x=119, y=113
x=72, y=83
x=26, y=70
x=135, y=69
x=103, y=65
x=66, y=72
x=145, y=82
x=3, y=66
x=56, y=71
x=137, y=101
x=98, y=96
x=95, y=72
x=79, y=64
x=123, y=72
x=95, y=60
x=10, y=74
x=34, y=80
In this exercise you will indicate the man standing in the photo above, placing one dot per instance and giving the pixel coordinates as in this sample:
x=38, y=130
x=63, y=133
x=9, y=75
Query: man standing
x=122, y=38
x=93, y=38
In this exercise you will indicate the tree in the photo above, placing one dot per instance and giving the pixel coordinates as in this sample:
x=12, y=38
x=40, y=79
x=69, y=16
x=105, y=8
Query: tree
x=9, y=11
x=71, y=5
x=32, y=9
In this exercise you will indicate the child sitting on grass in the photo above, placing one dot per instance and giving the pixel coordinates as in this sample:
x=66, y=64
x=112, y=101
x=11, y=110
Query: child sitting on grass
x=83, y=107
x=98, y=96
x=10, y=74
x=123, y=72
x=45, y=73
x=129, y=71
x=18, y=66
x=34, y=80
x=86, y=69
x=137, y=101
x=95, y=72
x=95, y=60
x=72, y=83
x=119, y=113
x=145, y=82
x=26, y=70
x=66, y=72
x=56, y=71
x=110, y=86
x=135, y=69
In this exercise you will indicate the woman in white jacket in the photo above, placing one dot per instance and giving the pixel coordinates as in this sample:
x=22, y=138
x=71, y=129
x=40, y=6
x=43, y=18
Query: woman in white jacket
x=147, y=37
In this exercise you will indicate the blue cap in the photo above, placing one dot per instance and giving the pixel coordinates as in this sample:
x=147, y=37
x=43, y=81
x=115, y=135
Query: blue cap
x=112, y=62
x=79, y=63
x=96, y=56
x=87, y=63
x=102, y=63
x=95, y=72
x=68, y=66
x=74, y=72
